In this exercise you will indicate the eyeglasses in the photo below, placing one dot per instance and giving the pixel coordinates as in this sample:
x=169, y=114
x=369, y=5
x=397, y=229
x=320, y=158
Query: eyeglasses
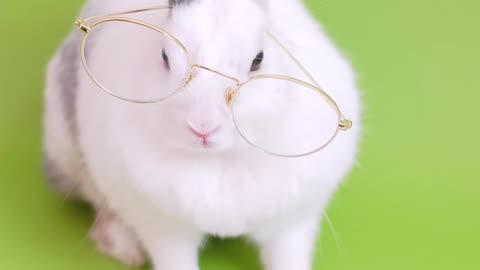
x=299, y=118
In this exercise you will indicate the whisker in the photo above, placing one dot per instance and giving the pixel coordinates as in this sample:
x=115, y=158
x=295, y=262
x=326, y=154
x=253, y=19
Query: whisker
x=338, y=242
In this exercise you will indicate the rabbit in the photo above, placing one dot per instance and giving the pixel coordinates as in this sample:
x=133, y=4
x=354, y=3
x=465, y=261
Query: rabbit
x=163, y=176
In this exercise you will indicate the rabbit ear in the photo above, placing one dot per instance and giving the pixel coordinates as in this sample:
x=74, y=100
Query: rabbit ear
x=179, y=2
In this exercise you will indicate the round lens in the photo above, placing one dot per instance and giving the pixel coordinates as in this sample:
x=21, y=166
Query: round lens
x=284, y=117
x=134, y=62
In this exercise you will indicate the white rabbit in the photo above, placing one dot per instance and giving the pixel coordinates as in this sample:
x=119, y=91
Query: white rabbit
x=157, y=189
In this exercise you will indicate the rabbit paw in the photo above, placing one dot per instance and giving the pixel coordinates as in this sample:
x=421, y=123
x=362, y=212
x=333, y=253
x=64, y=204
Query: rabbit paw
x=114, y=239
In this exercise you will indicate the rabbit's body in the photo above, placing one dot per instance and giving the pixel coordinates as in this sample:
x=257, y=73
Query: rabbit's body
x=141, y=163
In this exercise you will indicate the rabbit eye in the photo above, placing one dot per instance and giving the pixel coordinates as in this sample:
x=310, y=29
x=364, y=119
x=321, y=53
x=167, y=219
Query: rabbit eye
x=165, y=59
x=257, y=62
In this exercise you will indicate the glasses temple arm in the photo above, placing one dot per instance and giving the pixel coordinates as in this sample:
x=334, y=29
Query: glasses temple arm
x=344, y=122
x=124, y=13
x=297, y=62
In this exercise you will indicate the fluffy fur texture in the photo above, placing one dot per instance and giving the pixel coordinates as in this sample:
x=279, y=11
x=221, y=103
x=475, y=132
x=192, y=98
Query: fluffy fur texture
x=157, y=190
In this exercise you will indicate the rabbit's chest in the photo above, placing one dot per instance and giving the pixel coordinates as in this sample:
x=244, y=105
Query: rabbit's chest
x=219, y=200
x=227, y=201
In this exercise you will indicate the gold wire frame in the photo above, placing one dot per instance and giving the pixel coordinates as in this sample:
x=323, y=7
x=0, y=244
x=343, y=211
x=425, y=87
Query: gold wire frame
x=83, y=25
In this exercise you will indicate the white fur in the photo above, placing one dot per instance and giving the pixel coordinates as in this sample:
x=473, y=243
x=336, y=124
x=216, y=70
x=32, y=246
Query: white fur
x=156, y=177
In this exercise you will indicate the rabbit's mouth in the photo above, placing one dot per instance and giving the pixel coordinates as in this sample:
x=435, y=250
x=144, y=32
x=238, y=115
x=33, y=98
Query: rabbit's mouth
x=209, y=144
x=206, y=143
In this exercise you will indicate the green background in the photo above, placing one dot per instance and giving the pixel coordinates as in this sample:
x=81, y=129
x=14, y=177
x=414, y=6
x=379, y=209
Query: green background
x=412, y=203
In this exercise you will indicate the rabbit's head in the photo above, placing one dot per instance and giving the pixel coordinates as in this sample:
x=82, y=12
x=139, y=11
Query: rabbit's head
x=223, y=41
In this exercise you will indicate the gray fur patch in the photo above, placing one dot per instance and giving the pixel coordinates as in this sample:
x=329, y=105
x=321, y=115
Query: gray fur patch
x=51, y=171
x=68, y=81
x=179, y=2
x=56, y=179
